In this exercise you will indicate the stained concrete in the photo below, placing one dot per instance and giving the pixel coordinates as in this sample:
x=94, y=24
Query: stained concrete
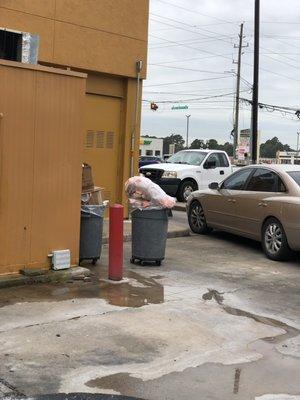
x=217, y=320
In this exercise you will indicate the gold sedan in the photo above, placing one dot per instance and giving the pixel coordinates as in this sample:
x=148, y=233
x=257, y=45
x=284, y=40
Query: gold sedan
x=261, y=202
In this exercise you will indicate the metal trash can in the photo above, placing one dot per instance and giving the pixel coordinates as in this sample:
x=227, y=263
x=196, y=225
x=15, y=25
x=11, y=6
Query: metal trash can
x=91, y=230
x=149, y=236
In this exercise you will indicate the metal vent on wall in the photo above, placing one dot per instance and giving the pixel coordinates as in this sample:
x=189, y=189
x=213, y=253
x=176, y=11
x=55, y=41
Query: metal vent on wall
x=89, y=141
x=100, y=139
x=110, y=140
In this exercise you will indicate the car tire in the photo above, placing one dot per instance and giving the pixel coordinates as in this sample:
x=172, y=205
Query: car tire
x=185, y=189
x=274, y=241
x=197, y=220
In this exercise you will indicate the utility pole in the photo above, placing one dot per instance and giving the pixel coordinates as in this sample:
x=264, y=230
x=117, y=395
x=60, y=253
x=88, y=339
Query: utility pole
x=298, y=133
x=187, y=130
x=254, y=119
x=238, y=83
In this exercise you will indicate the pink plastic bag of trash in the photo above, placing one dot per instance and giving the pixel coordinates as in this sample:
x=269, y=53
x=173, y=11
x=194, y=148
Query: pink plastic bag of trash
x=145, y=194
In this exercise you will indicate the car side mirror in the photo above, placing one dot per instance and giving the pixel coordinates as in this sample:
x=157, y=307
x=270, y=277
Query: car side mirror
x=214, y=186
x=210, y=164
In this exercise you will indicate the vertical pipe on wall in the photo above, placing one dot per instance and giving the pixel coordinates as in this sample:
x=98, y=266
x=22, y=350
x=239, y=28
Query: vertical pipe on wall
x=139, y=65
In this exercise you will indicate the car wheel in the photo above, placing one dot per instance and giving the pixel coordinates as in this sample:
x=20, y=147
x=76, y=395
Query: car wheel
x=185, y=189
x=274, y=241
x=197, y=220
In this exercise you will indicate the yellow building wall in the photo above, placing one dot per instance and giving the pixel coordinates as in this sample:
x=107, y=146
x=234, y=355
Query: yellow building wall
x=110, y=118
x=105, y=39
x=41, y=136
x=96, y=35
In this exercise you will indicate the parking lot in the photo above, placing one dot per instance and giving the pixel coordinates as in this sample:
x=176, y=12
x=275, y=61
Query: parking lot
x=217, y=320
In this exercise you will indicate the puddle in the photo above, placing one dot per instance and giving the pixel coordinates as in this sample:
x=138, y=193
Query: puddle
x=211, y=380
x=213, y=294
x=121, y=382
x=132, y=294
x=138, y=292
x=290, y=331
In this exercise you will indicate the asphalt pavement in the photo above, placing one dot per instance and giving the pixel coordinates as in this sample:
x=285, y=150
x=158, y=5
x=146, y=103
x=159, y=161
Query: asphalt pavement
x=216, y=321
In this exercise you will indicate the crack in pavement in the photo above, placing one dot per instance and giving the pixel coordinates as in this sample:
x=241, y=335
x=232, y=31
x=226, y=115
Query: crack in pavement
x=13, y=390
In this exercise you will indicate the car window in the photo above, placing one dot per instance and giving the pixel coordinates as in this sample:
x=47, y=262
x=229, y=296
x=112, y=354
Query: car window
x=214, y=157
x=238, y=180
x=295, y=175
x=264, y=180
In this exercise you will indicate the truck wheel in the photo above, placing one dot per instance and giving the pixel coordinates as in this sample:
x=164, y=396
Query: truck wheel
x=185, y=189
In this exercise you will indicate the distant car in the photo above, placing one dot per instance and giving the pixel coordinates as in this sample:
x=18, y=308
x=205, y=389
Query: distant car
x=261, y=202
x=147, y=160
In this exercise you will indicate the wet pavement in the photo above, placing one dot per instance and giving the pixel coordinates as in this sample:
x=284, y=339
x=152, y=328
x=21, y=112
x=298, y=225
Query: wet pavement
x=135, y=291
x=216, y=321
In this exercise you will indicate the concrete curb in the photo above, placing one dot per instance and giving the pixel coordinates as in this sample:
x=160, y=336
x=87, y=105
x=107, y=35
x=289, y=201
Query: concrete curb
x=47, y=277
x=171, y=234
x=180, y=207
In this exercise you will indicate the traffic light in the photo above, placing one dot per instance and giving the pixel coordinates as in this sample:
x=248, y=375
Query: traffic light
x=153, y=106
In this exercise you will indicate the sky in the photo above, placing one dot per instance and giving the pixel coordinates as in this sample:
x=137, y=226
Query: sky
x=190, y=56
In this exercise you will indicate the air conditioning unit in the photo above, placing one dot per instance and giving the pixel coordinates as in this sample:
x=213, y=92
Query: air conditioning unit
x=61, y=259
x=19, y=46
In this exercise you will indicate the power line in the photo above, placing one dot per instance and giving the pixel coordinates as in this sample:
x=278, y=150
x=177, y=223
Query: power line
x=190, y=31
x=280, y=54
x=191, y=26
x=286, y=43
x=195, y=12
x=162, y=45
x=191, y=100
x=188, y=69
x=282, y=62
x=195, y=48
x=191, y=59
x=247, y=64
x=272, y=108
x=178, y=83
x=190, y=91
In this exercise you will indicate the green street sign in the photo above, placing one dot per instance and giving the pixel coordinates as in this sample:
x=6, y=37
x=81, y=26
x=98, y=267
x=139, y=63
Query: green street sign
x=179, y=107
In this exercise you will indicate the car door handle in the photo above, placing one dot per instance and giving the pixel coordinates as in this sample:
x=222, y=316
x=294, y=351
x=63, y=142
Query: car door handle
x=231, y=201
x=222, y=172
x=262, y=204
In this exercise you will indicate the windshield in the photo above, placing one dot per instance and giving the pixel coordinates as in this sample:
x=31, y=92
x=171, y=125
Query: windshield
x=187, y=157
x=296, y=176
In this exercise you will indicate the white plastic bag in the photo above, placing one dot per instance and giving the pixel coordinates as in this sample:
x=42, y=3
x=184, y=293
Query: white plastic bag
x=145, y=194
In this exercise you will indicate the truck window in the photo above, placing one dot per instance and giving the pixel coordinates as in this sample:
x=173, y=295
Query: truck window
x=223, y=160
x=214, y=157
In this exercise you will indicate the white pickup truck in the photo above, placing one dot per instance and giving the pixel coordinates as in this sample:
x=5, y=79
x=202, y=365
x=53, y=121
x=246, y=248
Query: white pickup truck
x=189, y=170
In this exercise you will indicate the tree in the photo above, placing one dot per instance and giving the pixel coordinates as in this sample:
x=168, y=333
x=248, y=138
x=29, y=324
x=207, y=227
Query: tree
x=212, y=144
x=228, y=147
x=271, y=146
x=173, y=139
x=198, y=144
